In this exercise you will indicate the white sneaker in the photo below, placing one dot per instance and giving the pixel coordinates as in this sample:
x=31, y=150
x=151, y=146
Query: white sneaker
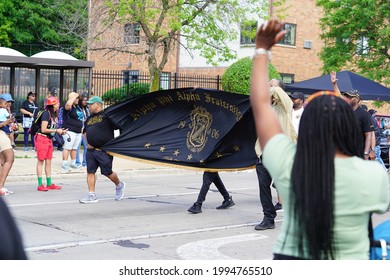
x=91, y=198
x=8, y=191
x=65, y=168
x=75, y=166
x=4, y=192
x=120, y=191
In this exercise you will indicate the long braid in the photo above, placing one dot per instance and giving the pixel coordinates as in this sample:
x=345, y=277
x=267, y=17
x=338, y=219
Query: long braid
x=313, y=173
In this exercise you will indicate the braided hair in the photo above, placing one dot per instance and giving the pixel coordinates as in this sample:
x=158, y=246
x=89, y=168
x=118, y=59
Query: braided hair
x=327, y=125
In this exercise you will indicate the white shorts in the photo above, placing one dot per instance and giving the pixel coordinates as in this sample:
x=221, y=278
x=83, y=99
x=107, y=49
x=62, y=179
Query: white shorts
x=75, y=139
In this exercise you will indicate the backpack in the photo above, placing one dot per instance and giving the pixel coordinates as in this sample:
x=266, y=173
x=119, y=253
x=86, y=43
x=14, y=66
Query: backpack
x=36, y=125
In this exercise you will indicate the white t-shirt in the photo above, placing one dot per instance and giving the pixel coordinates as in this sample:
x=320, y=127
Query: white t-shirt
x=296, y=118
x=3, y=114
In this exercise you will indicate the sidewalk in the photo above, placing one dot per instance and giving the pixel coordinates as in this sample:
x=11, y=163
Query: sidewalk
x=24, y=167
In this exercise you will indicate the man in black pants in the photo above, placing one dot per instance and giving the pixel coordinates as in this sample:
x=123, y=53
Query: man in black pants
x=269, y=211
x=283, y=107
x=208, y=179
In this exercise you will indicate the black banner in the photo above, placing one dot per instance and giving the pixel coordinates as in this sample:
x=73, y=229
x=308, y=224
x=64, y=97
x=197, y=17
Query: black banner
x=196, y=128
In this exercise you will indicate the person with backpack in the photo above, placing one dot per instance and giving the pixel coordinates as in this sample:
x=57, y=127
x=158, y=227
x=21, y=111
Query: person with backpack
x=44, y=143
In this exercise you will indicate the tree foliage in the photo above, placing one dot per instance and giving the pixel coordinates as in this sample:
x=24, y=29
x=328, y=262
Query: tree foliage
x=206, y=25
x=31, y=26
x=356, y=34
x=237, y=77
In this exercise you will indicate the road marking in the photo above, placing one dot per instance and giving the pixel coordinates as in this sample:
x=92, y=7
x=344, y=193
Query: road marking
x=136, y=237
x=111, y=198
x=208, y=249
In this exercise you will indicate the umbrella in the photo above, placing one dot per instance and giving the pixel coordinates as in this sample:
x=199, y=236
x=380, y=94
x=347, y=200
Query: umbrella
x=346, y=80
x=190, y=127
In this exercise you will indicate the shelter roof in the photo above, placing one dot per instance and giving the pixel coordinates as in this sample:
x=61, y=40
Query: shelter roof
x=10, y=52
x=46, y=59
x=54, y=55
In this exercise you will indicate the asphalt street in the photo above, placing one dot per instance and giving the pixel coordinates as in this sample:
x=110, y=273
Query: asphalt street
x=151, y=222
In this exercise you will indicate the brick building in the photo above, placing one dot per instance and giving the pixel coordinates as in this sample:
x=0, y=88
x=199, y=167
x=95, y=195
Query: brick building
x=296, y=58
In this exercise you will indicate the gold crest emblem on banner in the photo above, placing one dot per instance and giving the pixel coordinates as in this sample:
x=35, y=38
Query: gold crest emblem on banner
x=201, y=121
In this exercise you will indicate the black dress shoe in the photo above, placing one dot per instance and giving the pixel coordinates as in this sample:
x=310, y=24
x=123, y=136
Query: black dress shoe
x=196, y=208
x=265, y=225
x=226, y=204
x=278, y=206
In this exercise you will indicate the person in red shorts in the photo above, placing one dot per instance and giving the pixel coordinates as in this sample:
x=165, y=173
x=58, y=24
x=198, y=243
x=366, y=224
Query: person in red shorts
x=44, y=143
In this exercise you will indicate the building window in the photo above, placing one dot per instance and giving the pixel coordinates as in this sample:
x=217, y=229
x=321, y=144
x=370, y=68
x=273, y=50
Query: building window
x=165, y=80
x=132, y=33
x=287, y=78
x=130, y=76
x=248, y=33
x=289, y=38
x=362, y=47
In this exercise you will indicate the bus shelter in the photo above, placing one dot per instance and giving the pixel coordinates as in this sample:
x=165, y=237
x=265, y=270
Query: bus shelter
x=41, y=73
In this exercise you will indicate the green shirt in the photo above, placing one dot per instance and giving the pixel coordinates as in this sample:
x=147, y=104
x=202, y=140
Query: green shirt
x=361, y=187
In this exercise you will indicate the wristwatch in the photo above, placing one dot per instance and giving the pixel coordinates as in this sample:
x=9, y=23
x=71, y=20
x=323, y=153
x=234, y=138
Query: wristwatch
x=261, y=51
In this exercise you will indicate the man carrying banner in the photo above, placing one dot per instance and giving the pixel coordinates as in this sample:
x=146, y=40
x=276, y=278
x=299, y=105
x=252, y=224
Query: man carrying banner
x=99, y=130
x=208, y=179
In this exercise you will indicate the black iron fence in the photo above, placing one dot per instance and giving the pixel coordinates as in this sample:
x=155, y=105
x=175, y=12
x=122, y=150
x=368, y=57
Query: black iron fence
x=127, y=82
x=103, y=81
x=124, y=82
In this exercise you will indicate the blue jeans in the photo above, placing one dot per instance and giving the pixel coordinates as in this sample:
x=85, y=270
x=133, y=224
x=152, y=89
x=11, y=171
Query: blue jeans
x=26, y=134
x=378, y=156
x=84, y=143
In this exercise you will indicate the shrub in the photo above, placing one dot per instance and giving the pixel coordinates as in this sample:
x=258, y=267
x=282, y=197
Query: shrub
x=139, y=88
x=127, y=91
x=237, y=77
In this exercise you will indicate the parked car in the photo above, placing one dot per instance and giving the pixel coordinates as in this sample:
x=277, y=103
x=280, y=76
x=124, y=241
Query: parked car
x=385, y=144
x=385, y=137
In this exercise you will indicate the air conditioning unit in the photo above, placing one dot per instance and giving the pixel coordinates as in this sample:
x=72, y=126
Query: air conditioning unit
x=307, y=44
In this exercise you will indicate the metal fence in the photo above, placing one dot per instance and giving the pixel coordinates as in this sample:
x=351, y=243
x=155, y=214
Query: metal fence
x=125, y=82
x=103, y=81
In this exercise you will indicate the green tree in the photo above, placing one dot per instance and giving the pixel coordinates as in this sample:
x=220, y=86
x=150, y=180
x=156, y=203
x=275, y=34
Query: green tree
x=356, y=34
x=31, y=26
x=237, y=77
x=206, y=25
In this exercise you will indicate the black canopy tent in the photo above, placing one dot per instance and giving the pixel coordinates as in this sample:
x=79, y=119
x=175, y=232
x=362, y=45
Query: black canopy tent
x=369, y=90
